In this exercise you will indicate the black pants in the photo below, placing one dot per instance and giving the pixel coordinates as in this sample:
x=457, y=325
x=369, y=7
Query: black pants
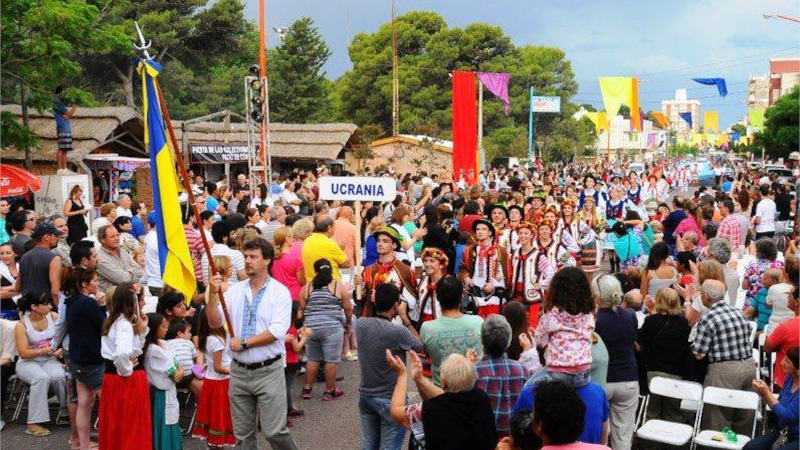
x=5, y=373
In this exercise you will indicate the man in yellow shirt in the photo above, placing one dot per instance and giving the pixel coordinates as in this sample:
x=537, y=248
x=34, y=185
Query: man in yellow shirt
x=320, y=245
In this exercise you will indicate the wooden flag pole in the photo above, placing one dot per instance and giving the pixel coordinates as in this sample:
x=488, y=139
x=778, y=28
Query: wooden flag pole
x=185, y=177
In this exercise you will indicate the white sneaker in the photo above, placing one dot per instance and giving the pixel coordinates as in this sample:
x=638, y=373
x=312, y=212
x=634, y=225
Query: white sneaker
x=2, y=424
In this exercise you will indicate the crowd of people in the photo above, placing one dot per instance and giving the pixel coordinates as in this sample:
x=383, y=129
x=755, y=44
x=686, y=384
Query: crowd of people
x=531, y=309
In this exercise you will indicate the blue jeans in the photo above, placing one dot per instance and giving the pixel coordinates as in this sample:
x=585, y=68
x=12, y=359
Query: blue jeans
x=378, y=430
x=764, y=442
x=573, y=380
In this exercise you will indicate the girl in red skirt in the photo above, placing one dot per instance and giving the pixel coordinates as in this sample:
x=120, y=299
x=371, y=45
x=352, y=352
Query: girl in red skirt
x=213, y=422
x=125, y=406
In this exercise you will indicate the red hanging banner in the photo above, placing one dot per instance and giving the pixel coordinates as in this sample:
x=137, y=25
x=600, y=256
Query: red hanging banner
x=465, y=126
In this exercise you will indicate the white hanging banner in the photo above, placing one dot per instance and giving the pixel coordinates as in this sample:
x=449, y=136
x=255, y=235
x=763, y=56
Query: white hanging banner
x=374, y=189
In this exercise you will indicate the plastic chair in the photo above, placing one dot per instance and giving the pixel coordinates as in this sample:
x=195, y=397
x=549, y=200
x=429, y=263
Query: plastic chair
x=664, y=431
x=727, y=398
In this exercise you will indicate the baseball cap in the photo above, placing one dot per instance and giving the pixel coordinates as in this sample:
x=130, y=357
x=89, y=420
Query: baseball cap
x=151, y=218
x=45, y=228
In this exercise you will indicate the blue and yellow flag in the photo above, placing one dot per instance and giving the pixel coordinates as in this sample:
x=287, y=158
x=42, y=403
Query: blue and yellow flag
x=177, y=269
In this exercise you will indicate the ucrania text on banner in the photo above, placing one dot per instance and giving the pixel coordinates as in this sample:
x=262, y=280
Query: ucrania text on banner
x=175, y=261
x=465, y=127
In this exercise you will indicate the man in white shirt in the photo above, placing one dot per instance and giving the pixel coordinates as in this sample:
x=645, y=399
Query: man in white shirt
x=289, y=198
x=152, y=265
x=221, y=232
x=764, y=218
x=124, y=208
x=260, y=311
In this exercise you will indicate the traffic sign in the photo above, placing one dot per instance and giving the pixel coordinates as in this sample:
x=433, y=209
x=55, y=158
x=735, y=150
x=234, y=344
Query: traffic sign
x=542, y=104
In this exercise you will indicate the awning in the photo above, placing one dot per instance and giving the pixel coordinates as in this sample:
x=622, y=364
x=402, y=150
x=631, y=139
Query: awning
x=106, y=161
x=15, y=181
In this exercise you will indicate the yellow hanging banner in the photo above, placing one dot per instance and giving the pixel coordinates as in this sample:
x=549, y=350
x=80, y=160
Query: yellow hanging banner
x=711, y=122
x=599, y=119
x=615, y=91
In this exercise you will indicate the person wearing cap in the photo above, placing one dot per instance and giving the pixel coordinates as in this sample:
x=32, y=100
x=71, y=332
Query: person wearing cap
x=40, y=268
x=486, y=266
x=531, y=272
x=498, y=215
x=114, y=265
x=536, y=211
x=387, y=269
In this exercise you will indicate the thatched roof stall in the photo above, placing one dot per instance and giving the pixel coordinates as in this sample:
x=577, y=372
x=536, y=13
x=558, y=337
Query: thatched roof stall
x=288, y=142
x=116, y=129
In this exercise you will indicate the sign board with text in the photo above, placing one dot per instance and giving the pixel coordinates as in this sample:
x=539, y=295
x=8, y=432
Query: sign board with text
x=368, y=189
x=218, y=153
x=542, y=104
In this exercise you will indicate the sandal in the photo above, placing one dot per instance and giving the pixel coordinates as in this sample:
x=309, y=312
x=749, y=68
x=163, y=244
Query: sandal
x=38, y=431
x=294, y=412
x=306, y=393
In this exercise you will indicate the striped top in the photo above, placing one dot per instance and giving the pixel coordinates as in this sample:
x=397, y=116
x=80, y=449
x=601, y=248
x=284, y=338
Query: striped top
x=323, y=309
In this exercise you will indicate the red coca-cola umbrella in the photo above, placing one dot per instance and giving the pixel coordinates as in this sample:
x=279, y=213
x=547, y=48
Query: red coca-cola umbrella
x=15, y=181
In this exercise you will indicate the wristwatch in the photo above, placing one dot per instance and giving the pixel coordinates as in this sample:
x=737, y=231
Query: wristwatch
x=244, y=344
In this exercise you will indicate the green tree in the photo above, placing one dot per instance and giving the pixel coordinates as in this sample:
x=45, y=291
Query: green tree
x=41, y=39
x=427, y=51
x=780, y=133
x=299, y=91
x=739, y=128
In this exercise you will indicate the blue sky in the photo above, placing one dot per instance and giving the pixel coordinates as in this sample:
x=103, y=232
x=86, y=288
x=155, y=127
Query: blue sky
x=664, y=43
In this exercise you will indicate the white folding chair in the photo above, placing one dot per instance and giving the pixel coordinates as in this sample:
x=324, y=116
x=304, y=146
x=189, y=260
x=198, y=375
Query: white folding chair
x=663, y=431
x=727, y=398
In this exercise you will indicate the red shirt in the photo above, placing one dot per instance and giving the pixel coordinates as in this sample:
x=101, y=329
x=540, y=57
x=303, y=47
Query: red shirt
x=785, y=336
x=196, y=248
x=291, y=356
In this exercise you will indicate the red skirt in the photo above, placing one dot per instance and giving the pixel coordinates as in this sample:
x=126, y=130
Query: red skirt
x=533, y=314
x=486, y=311
x=213, y=422
x=125, y=419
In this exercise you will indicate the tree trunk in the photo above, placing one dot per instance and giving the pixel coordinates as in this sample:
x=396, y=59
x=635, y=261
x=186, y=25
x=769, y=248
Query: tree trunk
x=23, y=100
x=127, y=83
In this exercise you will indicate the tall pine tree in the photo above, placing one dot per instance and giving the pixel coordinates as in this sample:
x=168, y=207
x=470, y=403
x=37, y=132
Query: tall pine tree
x=299, y=90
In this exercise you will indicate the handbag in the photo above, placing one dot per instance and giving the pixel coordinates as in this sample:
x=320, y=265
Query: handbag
x=783, y=439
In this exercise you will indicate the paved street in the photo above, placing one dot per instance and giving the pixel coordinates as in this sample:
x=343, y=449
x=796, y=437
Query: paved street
x=329, y=425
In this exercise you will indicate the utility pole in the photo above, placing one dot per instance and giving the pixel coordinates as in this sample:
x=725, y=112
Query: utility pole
x=395, y=79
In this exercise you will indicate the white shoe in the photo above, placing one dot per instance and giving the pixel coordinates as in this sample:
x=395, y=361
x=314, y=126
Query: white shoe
x=2, y=424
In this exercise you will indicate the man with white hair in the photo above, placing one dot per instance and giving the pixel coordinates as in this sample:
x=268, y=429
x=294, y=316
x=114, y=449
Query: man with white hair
x=720, y=250
x=724, y=336
x=456, y=415
x=124, y=206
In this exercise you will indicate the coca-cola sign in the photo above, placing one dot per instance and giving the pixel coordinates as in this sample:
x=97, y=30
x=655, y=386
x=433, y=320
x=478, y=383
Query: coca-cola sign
x=5, y=182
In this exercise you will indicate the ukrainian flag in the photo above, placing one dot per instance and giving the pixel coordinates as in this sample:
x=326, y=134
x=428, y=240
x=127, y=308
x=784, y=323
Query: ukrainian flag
x=177, y=269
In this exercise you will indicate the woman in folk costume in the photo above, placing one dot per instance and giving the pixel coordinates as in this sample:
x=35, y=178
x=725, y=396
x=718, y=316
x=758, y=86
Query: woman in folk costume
x=616, y=205
x=125, y=414
x=557, y=254
x=651, y=194
x=589, y=184
x=531, y=273
x=485, y=266
x=498, y=214
x=434, y=263
x=560, y=234
x=387, y=269
x=582, y=233
x=592, y=218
